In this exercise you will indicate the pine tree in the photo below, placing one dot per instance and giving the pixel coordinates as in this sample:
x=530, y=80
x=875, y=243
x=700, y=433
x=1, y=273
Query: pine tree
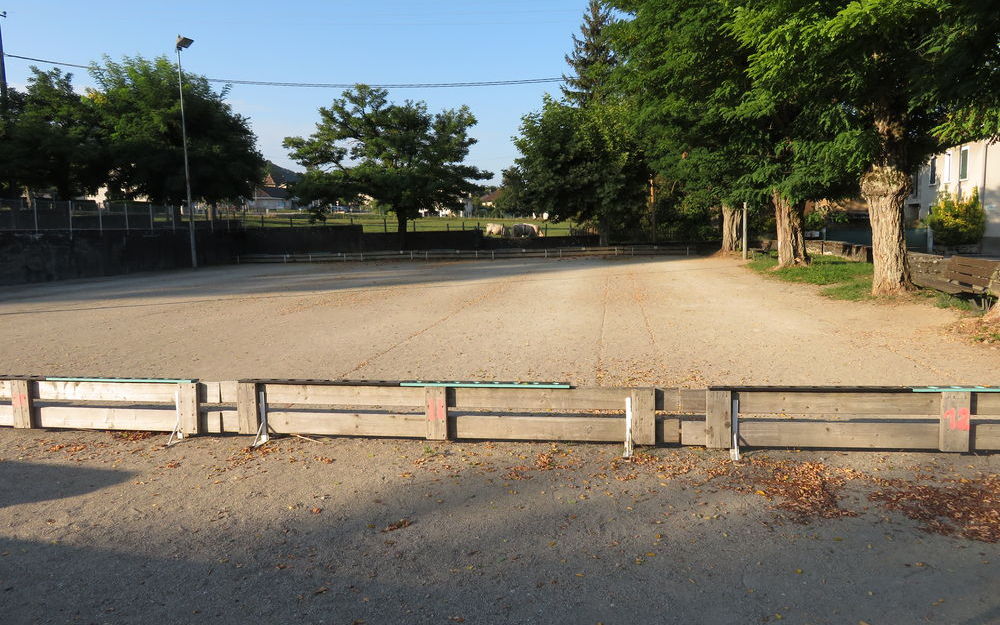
x=592, y=58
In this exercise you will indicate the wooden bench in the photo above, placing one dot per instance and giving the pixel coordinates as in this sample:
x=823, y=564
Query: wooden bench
x=975, y=276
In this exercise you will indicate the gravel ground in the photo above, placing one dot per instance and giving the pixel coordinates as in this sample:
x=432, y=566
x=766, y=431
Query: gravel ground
x=99, y=530
x=96, y=528
x=674, y=322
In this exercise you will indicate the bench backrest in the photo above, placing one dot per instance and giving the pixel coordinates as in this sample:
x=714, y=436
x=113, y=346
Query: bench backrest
x=976, y=273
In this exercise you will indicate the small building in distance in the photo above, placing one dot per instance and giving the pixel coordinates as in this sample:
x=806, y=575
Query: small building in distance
x=959, y=170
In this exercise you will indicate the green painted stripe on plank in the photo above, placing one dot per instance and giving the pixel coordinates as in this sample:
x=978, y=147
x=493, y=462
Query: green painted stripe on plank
x=956, y=389
x=523, y=385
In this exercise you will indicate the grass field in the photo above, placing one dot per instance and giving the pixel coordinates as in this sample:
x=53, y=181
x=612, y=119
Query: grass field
x=376, y=223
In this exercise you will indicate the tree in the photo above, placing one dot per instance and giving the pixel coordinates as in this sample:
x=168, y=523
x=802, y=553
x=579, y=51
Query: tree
x=140, y=110
x=580, y=164
x=512, y=200
x=706, y=123
x=592, y=59
x=903, y=69
x=397, y=154
x=52, y=140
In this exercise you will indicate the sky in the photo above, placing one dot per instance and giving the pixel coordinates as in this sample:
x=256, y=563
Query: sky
x=337, y=41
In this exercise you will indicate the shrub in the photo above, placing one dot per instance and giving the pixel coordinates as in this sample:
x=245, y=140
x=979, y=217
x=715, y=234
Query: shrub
x=956, y=221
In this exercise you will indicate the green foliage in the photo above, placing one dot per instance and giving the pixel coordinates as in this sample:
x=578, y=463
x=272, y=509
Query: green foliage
x=592, y=59
x=957, y=221
x=582, y=164
x=51, y=140
x=512, y=200
x=399, y=155
x=139, y=108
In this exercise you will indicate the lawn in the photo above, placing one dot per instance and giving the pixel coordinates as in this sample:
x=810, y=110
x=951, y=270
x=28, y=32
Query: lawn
x=843, y=279
x=847, y=280
x=377, y=223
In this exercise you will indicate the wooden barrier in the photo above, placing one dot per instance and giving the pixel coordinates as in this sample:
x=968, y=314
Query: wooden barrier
x=946, y=419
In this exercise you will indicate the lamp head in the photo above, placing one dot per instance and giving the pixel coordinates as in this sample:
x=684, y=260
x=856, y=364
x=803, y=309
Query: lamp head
x=183, y=42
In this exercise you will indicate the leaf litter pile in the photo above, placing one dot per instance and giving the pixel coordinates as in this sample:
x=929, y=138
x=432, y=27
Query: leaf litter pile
x=965, y=507
x=807, y=490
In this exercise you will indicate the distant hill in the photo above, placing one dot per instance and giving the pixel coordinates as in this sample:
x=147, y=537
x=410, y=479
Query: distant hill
x=279, y=175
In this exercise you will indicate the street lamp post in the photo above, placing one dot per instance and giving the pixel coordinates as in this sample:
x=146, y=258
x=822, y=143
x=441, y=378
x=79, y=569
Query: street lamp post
x=184, y=43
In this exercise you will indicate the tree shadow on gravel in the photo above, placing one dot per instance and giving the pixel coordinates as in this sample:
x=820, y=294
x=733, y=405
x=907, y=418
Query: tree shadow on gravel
x=439, y=539
x=26, y=482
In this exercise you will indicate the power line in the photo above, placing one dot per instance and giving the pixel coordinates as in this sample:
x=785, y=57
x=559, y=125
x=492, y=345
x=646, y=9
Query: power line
x=326, y=85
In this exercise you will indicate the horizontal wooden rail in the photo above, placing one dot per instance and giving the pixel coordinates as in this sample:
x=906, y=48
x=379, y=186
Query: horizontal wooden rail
x=947, y=419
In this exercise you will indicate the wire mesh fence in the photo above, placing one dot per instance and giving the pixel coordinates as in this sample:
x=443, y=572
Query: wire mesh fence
x=43, y=215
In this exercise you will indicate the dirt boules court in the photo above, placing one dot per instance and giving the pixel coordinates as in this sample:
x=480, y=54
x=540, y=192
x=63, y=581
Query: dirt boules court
x=101, y=528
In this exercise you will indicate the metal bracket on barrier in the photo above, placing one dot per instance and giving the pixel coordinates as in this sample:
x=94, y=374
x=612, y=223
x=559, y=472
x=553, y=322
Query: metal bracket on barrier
x=262, y=432
x=629, y=445
x=176, y=435
x=734, y=449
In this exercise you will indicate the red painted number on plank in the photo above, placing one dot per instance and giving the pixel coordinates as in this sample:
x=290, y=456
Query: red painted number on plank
x=958, y=420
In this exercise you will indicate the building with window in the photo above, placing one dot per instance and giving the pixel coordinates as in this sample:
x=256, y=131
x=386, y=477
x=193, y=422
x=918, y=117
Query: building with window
x=958, y=170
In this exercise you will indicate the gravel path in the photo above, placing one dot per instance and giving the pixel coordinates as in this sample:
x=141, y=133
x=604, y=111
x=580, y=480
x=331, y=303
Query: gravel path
x=676, y=322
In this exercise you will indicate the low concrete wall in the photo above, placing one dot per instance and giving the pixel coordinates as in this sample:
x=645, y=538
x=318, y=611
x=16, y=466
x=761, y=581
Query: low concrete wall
x=60, y=256
x=850, y=251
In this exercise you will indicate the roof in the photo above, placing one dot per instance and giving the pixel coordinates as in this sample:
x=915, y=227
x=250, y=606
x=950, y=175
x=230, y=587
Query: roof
x=491, y=196
x=274, y=193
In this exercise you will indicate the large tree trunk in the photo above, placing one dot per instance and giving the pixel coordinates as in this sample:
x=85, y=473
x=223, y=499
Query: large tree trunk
x=791, y=238
x=730, y=229
x=885, y=188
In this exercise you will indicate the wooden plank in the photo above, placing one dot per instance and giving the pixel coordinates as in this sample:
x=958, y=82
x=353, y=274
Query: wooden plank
x=986, y=436
x=320, y=395
x=693, y=433
x=681, y=400
x=6, y=414
x=954, y=426
x=227, y=392
x=4, y=389
x=22, y=403
x=839, y=435
x=347, y=424
x=513, y=399
x=718, y=419
x=668, y=431
x=491, y=427
x=247, y=407
x=436, y=412
x=986, y=404
x=90, y=418
x=643, y=416
x=834, y=403
x=978, y=266
x=219, y=422
x=135, y=392
x=187, y=406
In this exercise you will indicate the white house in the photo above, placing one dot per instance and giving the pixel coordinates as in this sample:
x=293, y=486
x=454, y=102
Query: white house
x=958, y=170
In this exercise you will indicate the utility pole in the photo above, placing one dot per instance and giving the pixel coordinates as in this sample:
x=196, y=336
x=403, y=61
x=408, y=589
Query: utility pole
x=184, y=43
x=3, y=73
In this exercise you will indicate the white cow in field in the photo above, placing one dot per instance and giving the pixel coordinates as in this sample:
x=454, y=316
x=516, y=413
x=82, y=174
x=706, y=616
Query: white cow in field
x=526, y=230
x=496, y=230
